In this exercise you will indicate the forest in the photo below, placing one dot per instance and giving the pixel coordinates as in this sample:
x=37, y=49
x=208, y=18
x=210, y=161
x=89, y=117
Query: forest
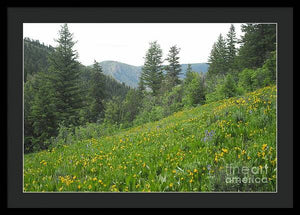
x=153, y=137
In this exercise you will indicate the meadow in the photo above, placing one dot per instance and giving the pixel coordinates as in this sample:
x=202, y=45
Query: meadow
x=189, y=151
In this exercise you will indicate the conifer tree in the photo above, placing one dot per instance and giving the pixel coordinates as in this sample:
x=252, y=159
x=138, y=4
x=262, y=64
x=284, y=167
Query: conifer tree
x=188, y=74
x=231, y=41
x=97, y=93
x=217, y=59
x=152, y=71
x=173, y=70
x=257, y=45
x=43, y=112
x=64, y=71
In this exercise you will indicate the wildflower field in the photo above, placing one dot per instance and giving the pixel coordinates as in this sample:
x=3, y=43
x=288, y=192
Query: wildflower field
x=189, y=151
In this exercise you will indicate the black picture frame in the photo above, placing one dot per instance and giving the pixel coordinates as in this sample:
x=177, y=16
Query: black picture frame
x=16, y=16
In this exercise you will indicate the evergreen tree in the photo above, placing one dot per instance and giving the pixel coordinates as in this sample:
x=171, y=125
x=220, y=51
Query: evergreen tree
x=217, y=59
x=35, y=57
x=152, y=71
x=97, y=93
x=229, y=88
x=257, y=44
x=114, y=112
x=141, y=86
x=43, y=114
x=188, y=74
x=131, y=105
x=64, y=70
x=30, y=90
x=231, y=41
x=194, y=90
x=173, y=70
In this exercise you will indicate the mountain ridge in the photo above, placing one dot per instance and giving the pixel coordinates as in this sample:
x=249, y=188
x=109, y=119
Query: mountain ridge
x=129, y=74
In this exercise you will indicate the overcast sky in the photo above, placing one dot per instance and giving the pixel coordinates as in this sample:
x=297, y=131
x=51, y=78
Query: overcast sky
x=128, y=42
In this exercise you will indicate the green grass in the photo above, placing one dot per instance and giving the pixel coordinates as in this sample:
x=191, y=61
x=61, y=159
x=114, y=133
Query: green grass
x=186, y=152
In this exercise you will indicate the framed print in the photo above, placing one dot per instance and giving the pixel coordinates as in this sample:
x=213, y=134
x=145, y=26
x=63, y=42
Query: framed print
x=150, y=107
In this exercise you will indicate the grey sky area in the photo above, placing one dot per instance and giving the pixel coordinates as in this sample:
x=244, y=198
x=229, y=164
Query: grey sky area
x=128, y=42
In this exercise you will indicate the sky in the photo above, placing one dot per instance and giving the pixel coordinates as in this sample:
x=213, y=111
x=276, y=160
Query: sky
x=128, y=42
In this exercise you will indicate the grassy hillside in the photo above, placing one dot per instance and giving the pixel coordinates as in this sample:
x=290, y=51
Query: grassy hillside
x=191, y=150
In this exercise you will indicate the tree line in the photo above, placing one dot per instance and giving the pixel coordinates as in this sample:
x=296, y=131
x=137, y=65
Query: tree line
x=63, y=97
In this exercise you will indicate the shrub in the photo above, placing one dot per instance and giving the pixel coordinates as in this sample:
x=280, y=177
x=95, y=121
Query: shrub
x=225, y=89
x=172, y=101
x=194, y=91
x=156, y=113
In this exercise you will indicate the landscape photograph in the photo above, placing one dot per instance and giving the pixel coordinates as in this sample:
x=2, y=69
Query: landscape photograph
x=149, y=107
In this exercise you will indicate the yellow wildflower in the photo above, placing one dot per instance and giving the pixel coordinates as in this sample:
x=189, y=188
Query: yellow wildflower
x=264, y=146
x=225, y=150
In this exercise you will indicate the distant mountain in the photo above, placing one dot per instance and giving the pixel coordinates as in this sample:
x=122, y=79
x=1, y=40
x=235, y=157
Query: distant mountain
x=197, y=67
x=130, y=74
x=122, y=72
x=36, y=60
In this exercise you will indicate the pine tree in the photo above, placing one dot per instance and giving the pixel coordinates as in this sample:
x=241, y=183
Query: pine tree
x=43, y=112
x=97, y=93
x=217, y=59
x=257, y=44
x=64, y=70
x=141, y=88
x=173, y=70
x=188, y=74
x=231, y=41
x=152, y=71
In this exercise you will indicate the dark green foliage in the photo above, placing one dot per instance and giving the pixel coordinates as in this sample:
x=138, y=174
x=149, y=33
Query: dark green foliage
x=188, y=74
x=96, y=93
x=229, y=88
x=252, y=66
x=173, y=69
x=29, y=90
x=231, y=50
x=172, y=101
x=35, y=57
x=64, y=70
x=152, y=71
x=252, y=79
x=218, y=58
x=270, y=65
x=114, y=88
x=43, y=116
x=225, y=88
x=246, y=79
x=131, y=105
x=223, y=55
x=123, y=112
x=114, y=112
x=258, y=42
x=194, y=90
